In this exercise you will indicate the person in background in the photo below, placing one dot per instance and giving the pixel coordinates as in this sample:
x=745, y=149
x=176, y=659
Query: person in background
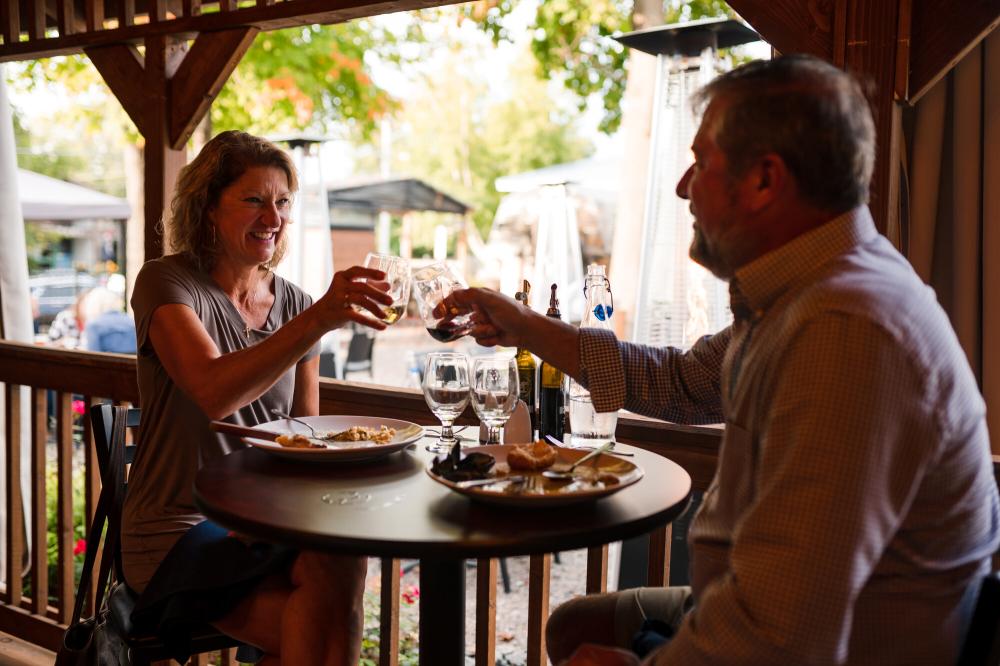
x=220, y=336
x=65, y=327
x=105, y=326
x=853, y=510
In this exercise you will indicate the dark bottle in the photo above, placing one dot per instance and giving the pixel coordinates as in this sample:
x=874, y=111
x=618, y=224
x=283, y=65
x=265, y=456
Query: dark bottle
x=527, y=369
x=551, y=392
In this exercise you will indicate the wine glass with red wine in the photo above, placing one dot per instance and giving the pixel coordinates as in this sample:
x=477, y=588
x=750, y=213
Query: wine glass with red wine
x=431, y=284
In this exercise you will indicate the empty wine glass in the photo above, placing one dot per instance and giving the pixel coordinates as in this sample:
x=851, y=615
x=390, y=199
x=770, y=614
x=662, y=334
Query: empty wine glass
x=446, y=390
x=431, y=285
x=494, y=392
x=397, y=275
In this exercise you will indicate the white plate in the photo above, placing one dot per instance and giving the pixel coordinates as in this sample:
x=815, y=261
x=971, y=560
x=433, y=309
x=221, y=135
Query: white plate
x=546, y=493
x=337, y=451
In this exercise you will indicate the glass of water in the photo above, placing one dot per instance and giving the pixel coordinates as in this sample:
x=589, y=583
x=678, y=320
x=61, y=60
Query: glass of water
x=446, y=390
x=590, y=428
x=494, y=392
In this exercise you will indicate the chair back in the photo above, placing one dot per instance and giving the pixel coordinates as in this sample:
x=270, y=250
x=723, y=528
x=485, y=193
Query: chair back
x=982, y=642
x=108, y=439
x=359, y=351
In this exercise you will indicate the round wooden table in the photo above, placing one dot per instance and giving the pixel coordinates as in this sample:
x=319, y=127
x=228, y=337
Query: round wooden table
x=392, y=508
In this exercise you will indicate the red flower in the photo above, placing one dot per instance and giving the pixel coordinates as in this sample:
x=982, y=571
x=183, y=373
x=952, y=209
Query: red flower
x=79, y=407
x=80, y=546
x=411, y=595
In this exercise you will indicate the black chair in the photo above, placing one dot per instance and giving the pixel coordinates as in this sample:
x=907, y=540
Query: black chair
x=982, y=642
x=143, y=648
x=359, y=352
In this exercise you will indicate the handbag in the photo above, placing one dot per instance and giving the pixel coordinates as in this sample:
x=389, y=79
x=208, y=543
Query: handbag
x=97, y=641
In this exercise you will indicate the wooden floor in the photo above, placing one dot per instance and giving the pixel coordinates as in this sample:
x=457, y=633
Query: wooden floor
x=15, y=652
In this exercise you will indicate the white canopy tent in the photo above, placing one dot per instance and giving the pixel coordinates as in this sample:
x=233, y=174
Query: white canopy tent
x=45, y=198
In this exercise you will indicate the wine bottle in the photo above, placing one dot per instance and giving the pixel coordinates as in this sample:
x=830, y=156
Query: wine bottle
x=551, y=392
x=527, y=369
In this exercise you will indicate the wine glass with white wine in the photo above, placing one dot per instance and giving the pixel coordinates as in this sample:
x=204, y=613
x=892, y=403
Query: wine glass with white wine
x=397, y=275
x=494, y=392
x=446, y=390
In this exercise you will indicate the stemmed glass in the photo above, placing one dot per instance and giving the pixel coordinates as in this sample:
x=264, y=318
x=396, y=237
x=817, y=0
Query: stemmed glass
x=494, y=392
x=446, y=390
x=431, y=285
x=397, y=275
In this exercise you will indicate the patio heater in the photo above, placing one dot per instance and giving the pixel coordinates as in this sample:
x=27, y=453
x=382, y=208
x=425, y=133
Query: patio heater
x=678, y=301
x=308, y=261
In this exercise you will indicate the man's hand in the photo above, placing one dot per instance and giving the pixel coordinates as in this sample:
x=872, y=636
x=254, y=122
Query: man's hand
x=496, y=319
x=590, y=654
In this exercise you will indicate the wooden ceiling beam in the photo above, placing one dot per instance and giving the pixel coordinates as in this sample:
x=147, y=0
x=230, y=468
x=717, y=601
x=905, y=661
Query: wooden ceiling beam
x=10, y=22
x=263, y=16
x=792, y=26
x=203, y=72
x=943, y=32
x=121, y=67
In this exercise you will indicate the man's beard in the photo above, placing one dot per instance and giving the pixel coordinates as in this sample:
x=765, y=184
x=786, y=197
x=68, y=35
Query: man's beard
x=703, y=252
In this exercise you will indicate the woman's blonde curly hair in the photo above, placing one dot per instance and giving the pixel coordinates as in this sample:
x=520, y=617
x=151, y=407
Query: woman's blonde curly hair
x=223, y=160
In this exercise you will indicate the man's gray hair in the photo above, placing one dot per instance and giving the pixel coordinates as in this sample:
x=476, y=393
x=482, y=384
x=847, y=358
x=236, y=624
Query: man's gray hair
x=812, y=114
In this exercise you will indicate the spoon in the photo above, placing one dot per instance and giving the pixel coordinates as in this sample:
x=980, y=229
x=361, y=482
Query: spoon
x=568, y=472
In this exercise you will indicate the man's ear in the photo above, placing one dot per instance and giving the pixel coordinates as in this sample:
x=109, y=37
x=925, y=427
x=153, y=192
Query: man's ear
x=766, y=181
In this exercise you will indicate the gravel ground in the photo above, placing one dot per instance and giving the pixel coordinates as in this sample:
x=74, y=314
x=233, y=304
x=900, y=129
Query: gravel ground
x=567, y=580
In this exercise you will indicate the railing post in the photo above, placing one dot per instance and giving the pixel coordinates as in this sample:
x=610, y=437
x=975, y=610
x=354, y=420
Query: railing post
x=15, y=511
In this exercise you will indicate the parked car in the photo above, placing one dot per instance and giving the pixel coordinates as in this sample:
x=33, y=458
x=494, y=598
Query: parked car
x=56, y=289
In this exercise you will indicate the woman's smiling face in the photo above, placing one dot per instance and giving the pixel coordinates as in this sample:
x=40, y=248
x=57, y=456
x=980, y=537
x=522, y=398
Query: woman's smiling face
x=251, y=216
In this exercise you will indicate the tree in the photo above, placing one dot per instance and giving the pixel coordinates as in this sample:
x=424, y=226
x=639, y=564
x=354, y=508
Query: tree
x=572, y=40
x=460, y=139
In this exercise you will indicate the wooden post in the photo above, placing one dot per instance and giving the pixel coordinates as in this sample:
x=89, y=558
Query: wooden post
x=166, y=93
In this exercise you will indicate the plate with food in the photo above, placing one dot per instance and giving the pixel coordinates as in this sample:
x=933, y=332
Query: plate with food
x=333, y=438
x=536, y=474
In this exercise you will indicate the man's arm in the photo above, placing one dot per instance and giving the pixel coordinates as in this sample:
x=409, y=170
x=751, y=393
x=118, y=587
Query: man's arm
x=658, y=382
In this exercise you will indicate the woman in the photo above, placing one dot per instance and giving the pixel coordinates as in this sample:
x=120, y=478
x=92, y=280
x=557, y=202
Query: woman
x=220, y=336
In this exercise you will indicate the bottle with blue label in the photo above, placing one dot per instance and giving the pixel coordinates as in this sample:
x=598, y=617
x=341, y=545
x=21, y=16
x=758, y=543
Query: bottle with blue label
x=590, y=428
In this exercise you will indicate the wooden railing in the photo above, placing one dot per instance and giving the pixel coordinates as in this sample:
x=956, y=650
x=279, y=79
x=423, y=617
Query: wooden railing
x=30, y=374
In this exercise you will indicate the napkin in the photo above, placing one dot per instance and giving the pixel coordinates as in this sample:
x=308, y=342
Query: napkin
x=518, y=427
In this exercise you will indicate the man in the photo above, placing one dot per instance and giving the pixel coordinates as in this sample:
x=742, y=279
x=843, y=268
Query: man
x=853, y=509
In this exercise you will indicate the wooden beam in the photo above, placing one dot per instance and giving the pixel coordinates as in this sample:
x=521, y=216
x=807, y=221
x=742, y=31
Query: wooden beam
x=161, y=162
x=121, y=67
x=274, y=16
x=871, y=47
x=943, y=33
x=10, y=23
x=12, y=497
x=192, y=7
x=35, y=16
x=200, y=77
x=792, y=26
x=94, y=12
x=65, y=17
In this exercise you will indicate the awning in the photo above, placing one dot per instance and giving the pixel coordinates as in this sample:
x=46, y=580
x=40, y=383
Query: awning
x=45, y=198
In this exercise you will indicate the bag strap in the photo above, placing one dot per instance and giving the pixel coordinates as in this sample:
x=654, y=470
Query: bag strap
x=108, y=510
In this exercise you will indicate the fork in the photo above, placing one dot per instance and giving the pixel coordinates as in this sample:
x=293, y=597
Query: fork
x=314, y=433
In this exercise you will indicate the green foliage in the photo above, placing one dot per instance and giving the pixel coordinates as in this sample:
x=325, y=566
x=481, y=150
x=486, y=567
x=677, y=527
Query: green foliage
x=572, y=41
x=314, y=77
x=460, y=139
x=409, y=637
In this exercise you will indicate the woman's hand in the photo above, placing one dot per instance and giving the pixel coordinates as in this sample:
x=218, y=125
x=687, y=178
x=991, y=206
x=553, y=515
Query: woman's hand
x=360, y=287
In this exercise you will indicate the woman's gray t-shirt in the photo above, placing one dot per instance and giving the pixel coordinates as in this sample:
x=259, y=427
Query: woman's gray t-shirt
x=174, y=440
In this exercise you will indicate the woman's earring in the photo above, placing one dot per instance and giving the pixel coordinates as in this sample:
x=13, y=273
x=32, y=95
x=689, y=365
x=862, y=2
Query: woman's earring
x=214, y=239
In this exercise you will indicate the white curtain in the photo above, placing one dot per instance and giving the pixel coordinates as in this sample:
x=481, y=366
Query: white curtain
x=952, y=236
x=15, y=307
